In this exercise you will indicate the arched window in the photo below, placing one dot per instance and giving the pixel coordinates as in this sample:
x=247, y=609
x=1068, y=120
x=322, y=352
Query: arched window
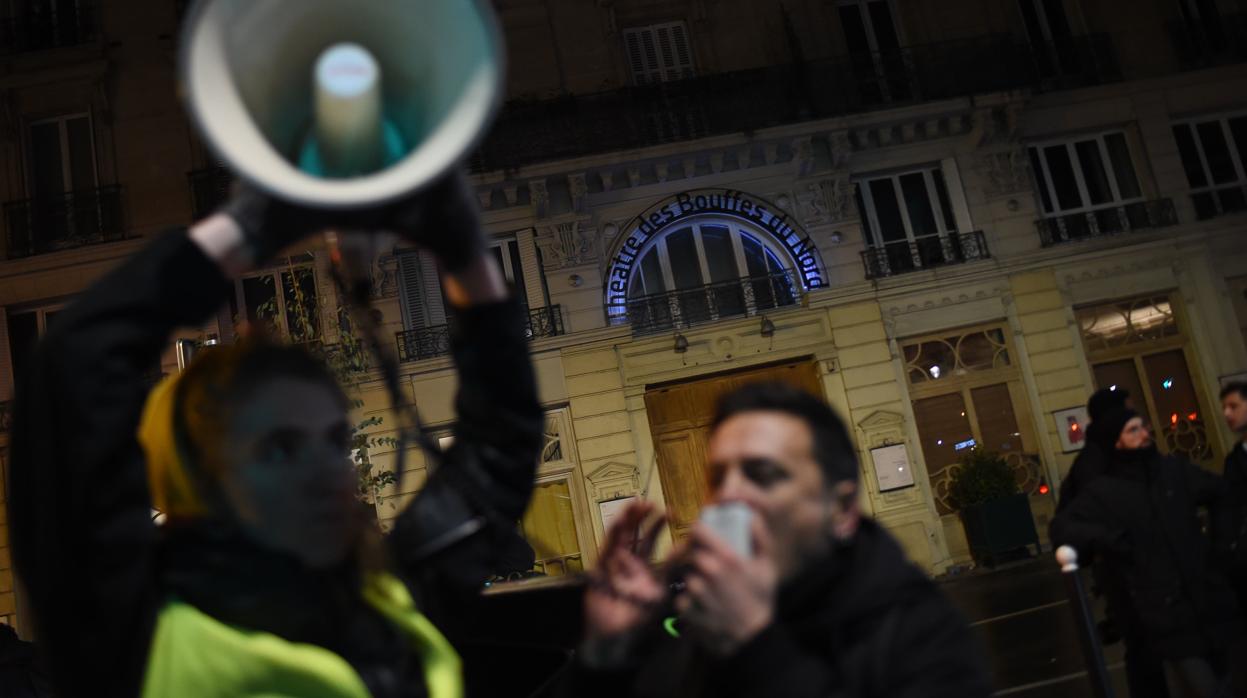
x=708, y=268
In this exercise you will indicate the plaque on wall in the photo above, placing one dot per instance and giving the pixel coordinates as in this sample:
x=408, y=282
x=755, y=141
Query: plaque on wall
x=612, y=509
x=892, y=469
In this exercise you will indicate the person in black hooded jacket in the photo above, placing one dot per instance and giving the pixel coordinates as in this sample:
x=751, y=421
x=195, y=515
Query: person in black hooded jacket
x=825, y=605
x=1141, y=519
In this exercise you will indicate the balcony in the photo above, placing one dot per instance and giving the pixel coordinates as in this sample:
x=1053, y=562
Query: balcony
x=1101, y=222
x=1219, y=201
x=745, y=101
x=209, y=189
x=65, y=24
x=1216, y=43
x=431, y=342
x=65, y=221
x=663, y=312
x=924, y=253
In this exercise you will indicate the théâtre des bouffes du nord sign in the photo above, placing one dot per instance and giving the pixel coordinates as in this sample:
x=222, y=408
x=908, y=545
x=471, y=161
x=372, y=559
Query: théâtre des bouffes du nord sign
x=684, y=206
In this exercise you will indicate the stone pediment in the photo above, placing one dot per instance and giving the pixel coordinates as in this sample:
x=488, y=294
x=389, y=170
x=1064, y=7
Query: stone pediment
x=880, y=419
x=612, y=471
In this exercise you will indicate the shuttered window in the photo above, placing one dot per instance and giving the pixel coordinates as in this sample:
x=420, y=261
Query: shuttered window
x=420, y=291
x=659, y=53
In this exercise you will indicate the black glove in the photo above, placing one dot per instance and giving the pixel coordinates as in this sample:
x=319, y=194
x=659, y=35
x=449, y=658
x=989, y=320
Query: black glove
x=269, y=224
x=443, y=219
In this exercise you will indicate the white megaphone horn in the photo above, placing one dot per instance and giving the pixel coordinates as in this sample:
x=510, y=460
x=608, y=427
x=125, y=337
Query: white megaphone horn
x=341, y=104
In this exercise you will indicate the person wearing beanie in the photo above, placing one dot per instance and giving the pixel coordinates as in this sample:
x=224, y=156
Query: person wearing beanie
x=1140, y=520
x=1089, y=463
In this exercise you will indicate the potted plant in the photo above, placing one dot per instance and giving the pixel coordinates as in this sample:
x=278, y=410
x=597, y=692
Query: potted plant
x=995, y=513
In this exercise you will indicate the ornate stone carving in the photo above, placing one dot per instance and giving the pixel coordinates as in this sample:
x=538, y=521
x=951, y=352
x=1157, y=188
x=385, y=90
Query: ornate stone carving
x=999, y=124
x=841, y=148
x=1005, y=173
x=385, y=277
x=539, y=195
x=803, y=156
x=566, y=244
x=578, y=189
x=812, y=204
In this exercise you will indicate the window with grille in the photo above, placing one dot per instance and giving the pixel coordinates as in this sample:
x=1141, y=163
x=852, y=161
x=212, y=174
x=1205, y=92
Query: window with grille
x=1090, y=173
x=659, y=53
x=1214, y=156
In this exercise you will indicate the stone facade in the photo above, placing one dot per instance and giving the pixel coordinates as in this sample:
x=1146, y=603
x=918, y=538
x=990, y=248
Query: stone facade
x=569, y=218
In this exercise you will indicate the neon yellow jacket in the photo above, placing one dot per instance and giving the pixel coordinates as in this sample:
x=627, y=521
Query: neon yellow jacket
x=196, y=656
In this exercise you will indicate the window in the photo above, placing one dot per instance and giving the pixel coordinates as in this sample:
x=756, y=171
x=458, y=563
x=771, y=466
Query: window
x=24, y=329
x=956, y=355
x=711, y=268
x=1087, y=174
x=285, y=300
x=875, y=49
x=62, y=155
x=1048, y=29
x=1203, y=22
x=420, y=291
x=1137, y=344
x=909, y=217
x=1214, y=156
x=659, y=53
x=1134, y=321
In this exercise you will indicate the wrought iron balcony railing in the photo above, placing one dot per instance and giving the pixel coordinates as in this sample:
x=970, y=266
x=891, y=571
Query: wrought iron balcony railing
x=209, y=189
x=430, y=342
x=56, y=25
x=1212, y=43
x=1219, y=201
x=51, y=223
x=924, y=253
x=1113, y=220
x=661, y=312
x=748, y=100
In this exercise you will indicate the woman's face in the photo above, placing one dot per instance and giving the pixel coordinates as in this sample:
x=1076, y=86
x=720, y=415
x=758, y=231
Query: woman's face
x=1133, y=436
x=288, y=473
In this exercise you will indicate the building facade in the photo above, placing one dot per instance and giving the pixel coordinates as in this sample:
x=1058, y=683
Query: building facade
x=953, y=221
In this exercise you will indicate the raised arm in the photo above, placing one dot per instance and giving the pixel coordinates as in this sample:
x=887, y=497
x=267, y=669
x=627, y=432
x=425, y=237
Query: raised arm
x=82, y=534
x=460, y=524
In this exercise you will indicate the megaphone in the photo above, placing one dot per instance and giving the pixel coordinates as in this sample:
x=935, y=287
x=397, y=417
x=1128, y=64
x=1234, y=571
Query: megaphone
x=253, y=74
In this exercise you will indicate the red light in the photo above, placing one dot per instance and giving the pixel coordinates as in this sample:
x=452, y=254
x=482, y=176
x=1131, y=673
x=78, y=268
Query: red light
x=1043, y=489
x=1192, y=416
x=1074, y=426
x=1173, y=418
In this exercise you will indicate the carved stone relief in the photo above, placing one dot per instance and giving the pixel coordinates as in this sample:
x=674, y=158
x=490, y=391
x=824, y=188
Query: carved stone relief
x=1005, y=173
x=567, y=244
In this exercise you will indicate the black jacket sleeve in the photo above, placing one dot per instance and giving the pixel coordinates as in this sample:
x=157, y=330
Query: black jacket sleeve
x=465, y=518
x=1090, y=529
x=82, y=535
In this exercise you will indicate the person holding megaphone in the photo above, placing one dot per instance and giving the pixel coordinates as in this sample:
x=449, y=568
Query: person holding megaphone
x=265, y=578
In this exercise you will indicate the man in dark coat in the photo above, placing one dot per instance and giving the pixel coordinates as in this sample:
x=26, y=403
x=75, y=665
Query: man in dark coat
x=1161, y=584
x=1234, y=409
x=1089, y=464
x=824, y=604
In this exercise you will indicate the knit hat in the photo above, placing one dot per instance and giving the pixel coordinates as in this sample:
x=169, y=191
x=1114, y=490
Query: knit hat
x=1104, y=401
x=1109, y=426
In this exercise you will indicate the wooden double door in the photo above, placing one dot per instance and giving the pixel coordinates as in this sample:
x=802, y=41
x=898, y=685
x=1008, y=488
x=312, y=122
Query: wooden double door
x=679, y=419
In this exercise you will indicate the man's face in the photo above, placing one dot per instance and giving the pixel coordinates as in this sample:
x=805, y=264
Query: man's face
x=765, y=459
x=1234, y=409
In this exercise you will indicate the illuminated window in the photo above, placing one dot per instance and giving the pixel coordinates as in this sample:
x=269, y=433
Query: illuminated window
x=956, y=355
x=1119, y=323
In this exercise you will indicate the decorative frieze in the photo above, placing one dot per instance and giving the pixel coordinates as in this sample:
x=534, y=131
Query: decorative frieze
x=567, y=244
